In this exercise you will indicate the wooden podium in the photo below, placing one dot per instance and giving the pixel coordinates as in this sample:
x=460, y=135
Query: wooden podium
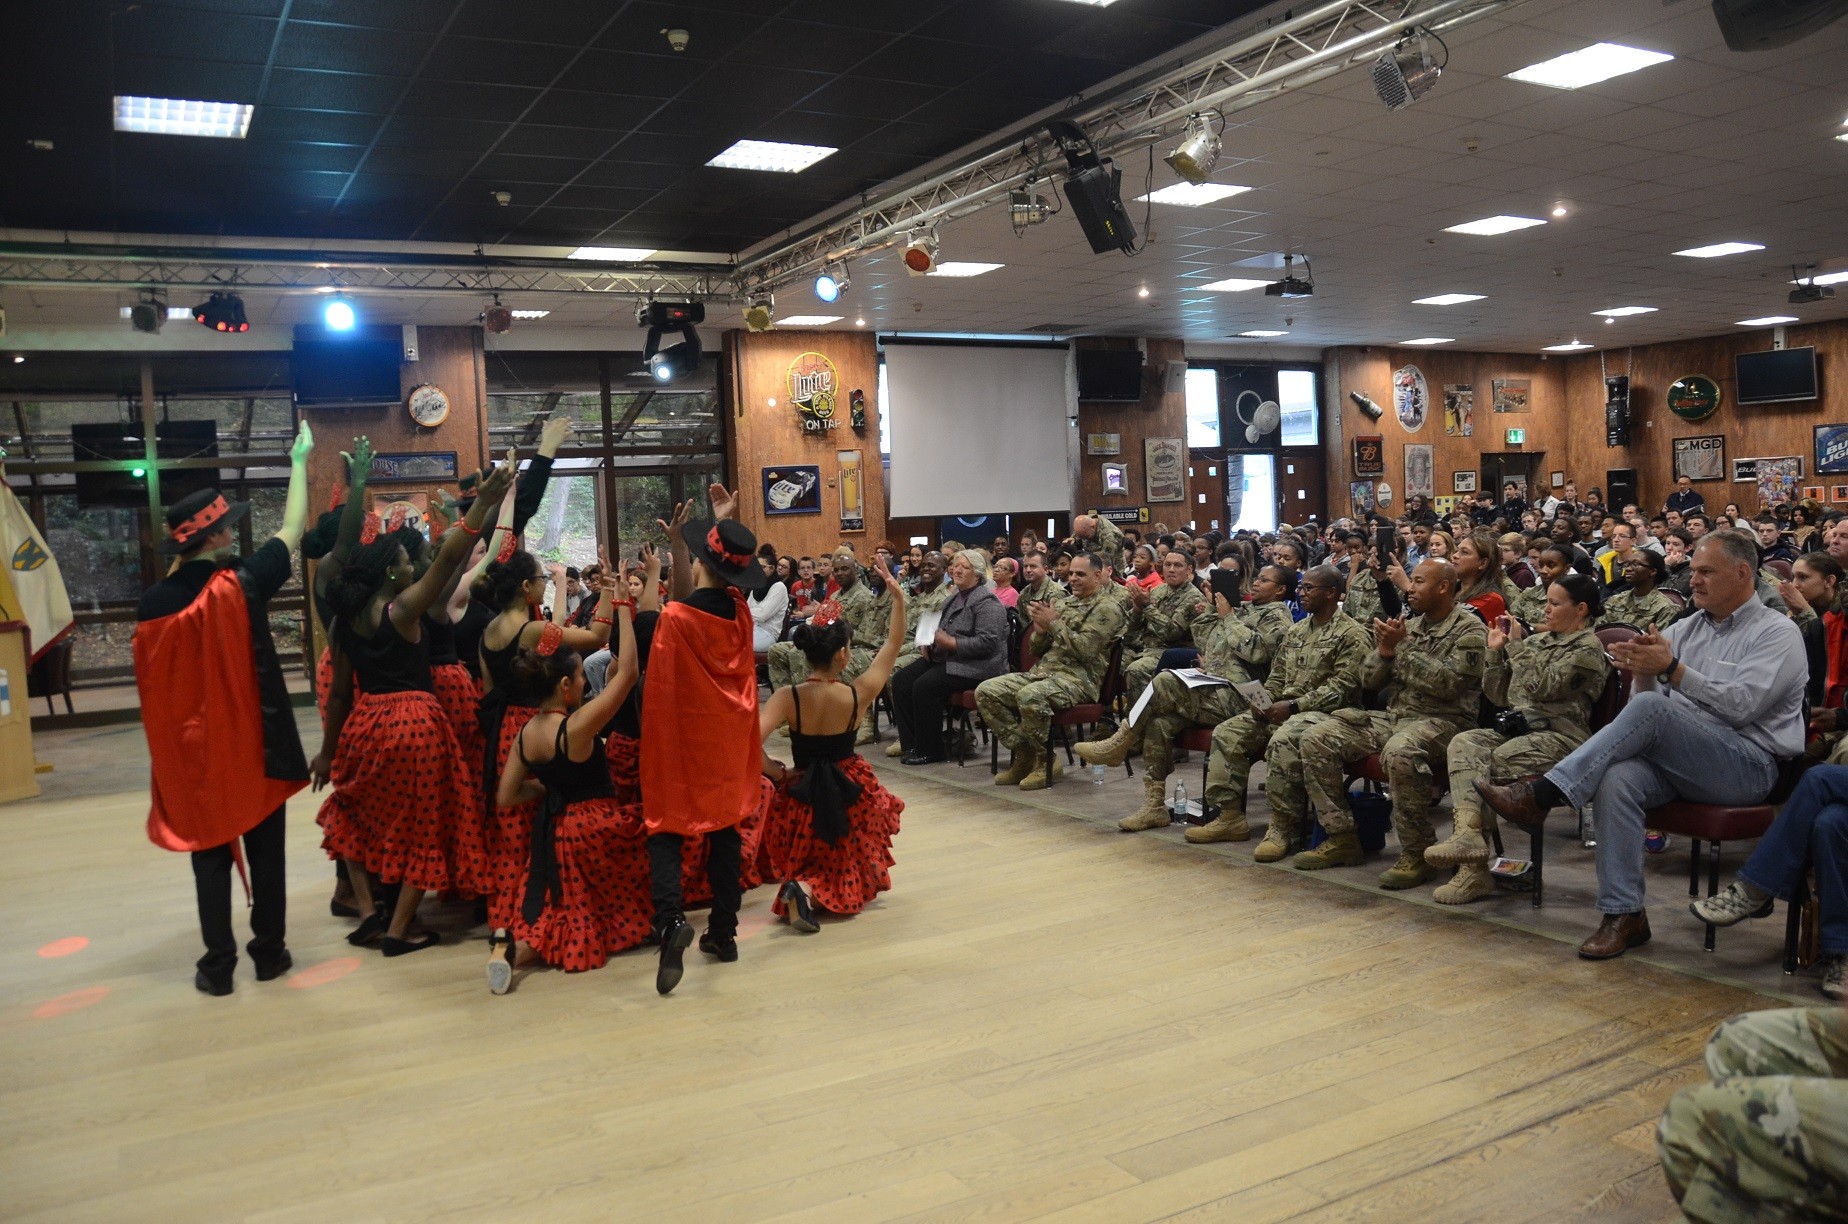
x=18, y=767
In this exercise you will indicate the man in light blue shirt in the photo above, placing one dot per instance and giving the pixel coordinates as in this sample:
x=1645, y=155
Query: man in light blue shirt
x=1716, y=704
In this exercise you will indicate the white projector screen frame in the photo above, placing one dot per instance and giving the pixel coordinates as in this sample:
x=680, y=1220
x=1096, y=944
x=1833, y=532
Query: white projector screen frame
x=980, y=428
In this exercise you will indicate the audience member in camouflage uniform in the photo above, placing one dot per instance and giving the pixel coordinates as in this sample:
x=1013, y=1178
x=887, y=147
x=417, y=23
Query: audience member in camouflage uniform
x=1036, y=585
x=1530, y=605
x=1097, y=534
x=1235, y=644
x=1434, y=662
x=1363, y=587
x=934, y=590
x=860, y=608
x=1159, y=621
x=1316, y=670
x=1642, y=605
x=1552, y=679
x=1072, y=641
x=1768, y=1138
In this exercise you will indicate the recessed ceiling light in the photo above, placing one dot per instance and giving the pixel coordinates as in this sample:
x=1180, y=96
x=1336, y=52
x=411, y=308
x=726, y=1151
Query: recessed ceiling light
x=180, y=117
x=1827, y=278
x=611, y=254
x=1499, y=224
x=1598, y=62
x=1768, y=321
x=1721, y=248
x=1095, y=3
x=808, y=320
x=1234, y=285
x=1619, y=312
x=859, y=322
x=1143, y=292
x=173, y=312
x=771, y=155
x=953, y=268
x=1431, y=340
x=1263, y=335
x=1192, y=195
x=1448, y=299
x=1843, y=136
x=531, y=314
x=1574, y=347
x=1559, y=210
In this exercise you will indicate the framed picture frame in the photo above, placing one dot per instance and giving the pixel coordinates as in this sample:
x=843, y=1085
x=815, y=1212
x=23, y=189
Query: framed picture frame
x=1831, y=445
x=1463, y=482
x=1103, y=444
x=1777, y=478
x=1369, y=455
x=1811, y=493
x=1361, y=493
x=1164, y=469
x=1116, y=480
x=413, y=466
x=1701, y=458
x=1419, y=479
x=1744, y=471
x=1557, y=480
x=792, y=489
x=1838, y=494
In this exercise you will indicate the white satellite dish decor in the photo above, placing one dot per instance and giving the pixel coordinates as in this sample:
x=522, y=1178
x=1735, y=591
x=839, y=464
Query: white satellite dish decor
x=1265, y=418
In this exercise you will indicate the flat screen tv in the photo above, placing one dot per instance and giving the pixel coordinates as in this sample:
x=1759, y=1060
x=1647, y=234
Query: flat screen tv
x=356, y=369
x=1110, y=375
x=1776, y=377
x=121, y=441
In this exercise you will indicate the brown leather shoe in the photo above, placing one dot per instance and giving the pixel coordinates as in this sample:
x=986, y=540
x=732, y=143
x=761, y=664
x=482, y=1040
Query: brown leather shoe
x=1617, y=934
x=1514, y=802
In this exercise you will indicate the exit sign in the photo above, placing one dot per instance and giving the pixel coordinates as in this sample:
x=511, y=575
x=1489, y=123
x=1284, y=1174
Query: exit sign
x=1517, y=437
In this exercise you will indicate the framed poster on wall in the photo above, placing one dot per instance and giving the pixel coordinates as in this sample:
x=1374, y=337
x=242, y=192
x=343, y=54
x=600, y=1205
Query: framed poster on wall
x=1831, y=450
x=1418, y=477
x=792, y=490
x=853, y=491
x=1463, y=482
x=1702, y=458
x=1512, y=394
x=1164, y=469
x=1459, y=409
x=1360, y=492
x=1369, y=455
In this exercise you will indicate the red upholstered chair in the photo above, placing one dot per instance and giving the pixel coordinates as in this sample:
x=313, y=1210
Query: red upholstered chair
x=1199, y=739
x=1781, y=568
x=1675, y=597
x=1088, y=713
x=1714, y=823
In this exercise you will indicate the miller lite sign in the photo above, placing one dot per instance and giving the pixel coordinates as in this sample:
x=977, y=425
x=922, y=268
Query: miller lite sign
x=813, y=386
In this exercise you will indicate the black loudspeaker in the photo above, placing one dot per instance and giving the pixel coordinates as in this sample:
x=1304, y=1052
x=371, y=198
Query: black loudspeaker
x=1617, y=411
x=1619, y=488
x=1761, y=25
x=1096, y=197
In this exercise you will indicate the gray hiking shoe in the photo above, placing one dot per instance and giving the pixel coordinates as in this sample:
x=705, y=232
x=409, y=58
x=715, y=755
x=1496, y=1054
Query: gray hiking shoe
x=1835, y=978
x=1734, y=903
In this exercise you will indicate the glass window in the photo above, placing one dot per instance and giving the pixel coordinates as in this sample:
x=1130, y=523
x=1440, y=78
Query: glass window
x=1202, y=408
x=885, y=414
x=1296, y=396
x=565, y=527
x=1254, y=495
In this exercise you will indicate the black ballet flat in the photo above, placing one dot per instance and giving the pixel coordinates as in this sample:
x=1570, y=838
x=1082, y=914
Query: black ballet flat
x=369, y=930
x=341, y=909
x=797, y=910
x=404, y=947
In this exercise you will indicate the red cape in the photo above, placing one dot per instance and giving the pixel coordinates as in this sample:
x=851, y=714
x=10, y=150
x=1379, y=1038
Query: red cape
x=701, y=754
x=197, y=675
x=1835, y=647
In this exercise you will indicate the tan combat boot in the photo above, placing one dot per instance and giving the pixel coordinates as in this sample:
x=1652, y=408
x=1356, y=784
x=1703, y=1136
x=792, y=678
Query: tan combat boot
x=1153, y=814
x=1046, y=770
x=1410, y=871
x=1276, y=844
x=1024, y=759
x=1466, y=843
x=1228, y=826
x=1337, y=850
x=895, y=748
x=1472, y=883
x=866, y=735
x=1112, y=752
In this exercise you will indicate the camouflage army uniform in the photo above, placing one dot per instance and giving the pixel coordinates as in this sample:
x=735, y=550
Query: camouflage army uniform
x=1108, y=542
x=1159, y=625
x=1436, y=674
x=915, y=608
x=1318, y=668
x=1018, y=707
x=1554, y=679
x=1768, y=1138
x=1362, y=602
x=1238, y=646
x=1048, y=591
x=869, y=617
x=1529, y=606
x=1628, y=608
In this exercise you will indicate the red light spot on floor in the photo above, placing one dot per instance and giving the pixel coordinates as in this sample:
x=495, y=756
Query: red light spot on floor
x=752, y=925
x=323, y=973
x=64, y=947
x=76, y=1000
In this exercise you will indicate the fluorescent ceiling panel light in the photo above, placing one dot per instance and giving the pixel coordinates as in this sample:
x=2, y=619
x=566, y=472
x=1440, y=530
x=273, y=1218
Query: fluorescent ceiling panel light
x=771, y=155
x=1095, y=3
x=180, y=117
x=1499, y=224
x=1827, y=278
x=1234, y=285
x=1843, y=136
x=531, y=314
x=1577, y=346
x=1619, y=312
x=1431, y=340
x=173, y=312
x=1263, y=335
x=1768, y=321
x=1448, y=299
x=1598, y=62
x=954, y=269
x=611, y=254
x=1192, y=195
x=1721, y=248
x=808, y=320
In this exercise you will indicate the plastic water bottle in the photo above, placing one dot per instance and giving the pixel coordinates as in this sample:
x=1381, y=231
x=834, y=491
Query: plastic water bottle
x=1177, y=803
x=1097, y=775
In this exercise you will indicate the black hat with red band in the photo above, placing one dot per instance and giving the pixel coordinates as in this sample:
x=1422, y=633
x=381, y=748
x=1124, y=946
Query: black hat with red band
x=198, y=515
x=730, y=550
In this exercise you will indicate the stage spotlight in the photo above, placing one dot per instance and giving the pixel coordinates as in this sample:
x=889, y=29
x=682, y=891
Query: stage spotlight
x=222, y=312
x=497, y=319
x=671, y=364
x=921, y=254
x=1024, y=207
x=1194, y=157
x=338, y=313
x=831, y=283
x=1406, y=73
x=760, y=313
x=149, y=314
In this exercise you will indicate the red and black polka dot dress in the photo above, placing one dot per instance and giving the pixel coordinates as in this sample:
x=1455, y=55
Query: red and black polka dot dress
x=507, y=831
x=456, y=689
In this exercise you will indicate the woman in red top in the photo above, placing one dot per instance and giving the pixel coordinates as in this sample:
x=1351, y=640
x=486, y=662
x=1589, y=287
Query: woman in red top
x=1477, y=559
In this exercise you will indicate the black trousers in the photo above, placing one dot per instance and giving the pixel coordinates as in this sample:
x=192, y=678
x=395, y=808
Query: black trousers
x=263, y=854
x=724, y=852
x=920, y=694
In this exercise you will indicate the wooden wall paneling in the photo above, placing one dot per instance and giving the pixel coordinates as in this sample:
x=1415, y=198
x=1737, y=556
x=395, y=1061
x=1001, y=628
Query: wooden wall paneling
x=1158, y=415
x=765, y=435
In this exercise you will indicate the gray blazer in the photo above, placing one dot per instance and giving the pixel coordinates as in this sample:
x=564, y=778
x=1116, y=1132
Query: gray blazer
x=979, y=625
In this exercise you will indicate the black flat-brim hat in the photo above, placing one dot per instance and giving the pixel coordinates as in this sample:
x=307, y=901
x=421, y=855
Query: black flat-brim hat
x=196, y=516
x=730, y=550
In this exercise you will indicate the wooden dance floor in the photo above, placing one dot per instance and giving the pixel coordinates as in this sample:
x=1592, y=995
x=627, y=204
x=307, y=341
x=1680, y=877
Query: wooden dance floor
x=1044, y=1020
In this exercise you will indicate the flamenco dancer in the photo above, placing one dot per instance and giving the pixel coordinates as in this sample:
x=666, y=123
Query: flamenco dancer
x=702, y=763
x=400, y=808
x=583, y=894
x=222, y=745
x=829, y=833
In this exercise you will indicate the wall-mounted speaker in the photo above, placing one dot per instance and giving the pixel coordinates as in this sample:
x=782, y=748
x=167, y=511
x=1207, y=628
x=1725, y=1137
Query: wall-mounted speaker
x=1619, y=488
x=1174, y=381
x=1617, y=410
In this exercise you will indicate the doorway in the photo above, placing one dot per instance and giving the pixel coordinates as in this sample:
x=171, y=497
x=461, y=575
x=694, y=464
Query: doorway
x=1499, y=467
x=1302, y=489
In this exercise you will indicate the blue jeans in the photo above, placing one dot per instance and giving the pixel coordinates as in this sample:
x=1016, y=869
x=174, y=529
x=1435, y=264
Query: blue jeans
x=1813, y=826
x=1657, y=749
x=596, y=668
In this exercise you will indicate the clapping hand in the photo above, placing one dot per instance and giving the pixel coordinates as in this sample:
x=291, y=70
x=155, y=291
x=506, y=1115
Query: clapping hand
x=1647, y=654
x=1387, y=634
x=1044, y=615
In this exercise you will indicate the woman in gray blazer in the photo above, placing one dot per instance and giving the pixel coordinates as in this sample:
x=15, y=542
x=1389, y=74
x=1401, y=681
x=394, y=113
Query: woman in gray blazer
x=970, y=646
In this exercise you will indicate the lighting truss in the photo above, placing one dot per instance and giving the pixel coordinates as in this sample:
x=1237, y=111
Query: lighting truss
x=1273, y=60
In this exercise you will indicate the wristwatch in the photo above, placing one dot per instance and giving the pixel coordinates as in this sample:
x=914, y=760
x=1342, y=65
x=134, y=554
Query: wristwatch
x=1674, y=662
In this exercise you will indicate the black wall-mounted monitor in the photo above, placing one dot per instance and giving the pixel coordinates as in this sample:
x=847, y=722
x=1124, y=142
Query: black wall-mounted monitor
x=1780, y=376
x=1110, y=375
x=356, y=369
x=121, y=441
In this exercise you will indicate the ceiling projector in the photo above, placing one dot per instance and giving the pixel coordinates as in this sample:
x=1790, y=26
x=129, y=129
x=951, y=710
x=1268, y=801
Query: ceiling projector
x=1292, y=286
x=1802, y=295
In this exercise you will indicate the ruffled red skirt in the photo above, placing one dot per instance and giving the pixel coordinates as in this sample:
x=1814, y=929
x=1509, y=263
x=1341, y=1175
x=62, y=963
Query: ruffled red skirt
x=460, y=696
x=509, y=835
x=324, y=680
x=397, y=805
x=625, y=756
x=695, y=889
x=605, y=902
x=851, y=872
